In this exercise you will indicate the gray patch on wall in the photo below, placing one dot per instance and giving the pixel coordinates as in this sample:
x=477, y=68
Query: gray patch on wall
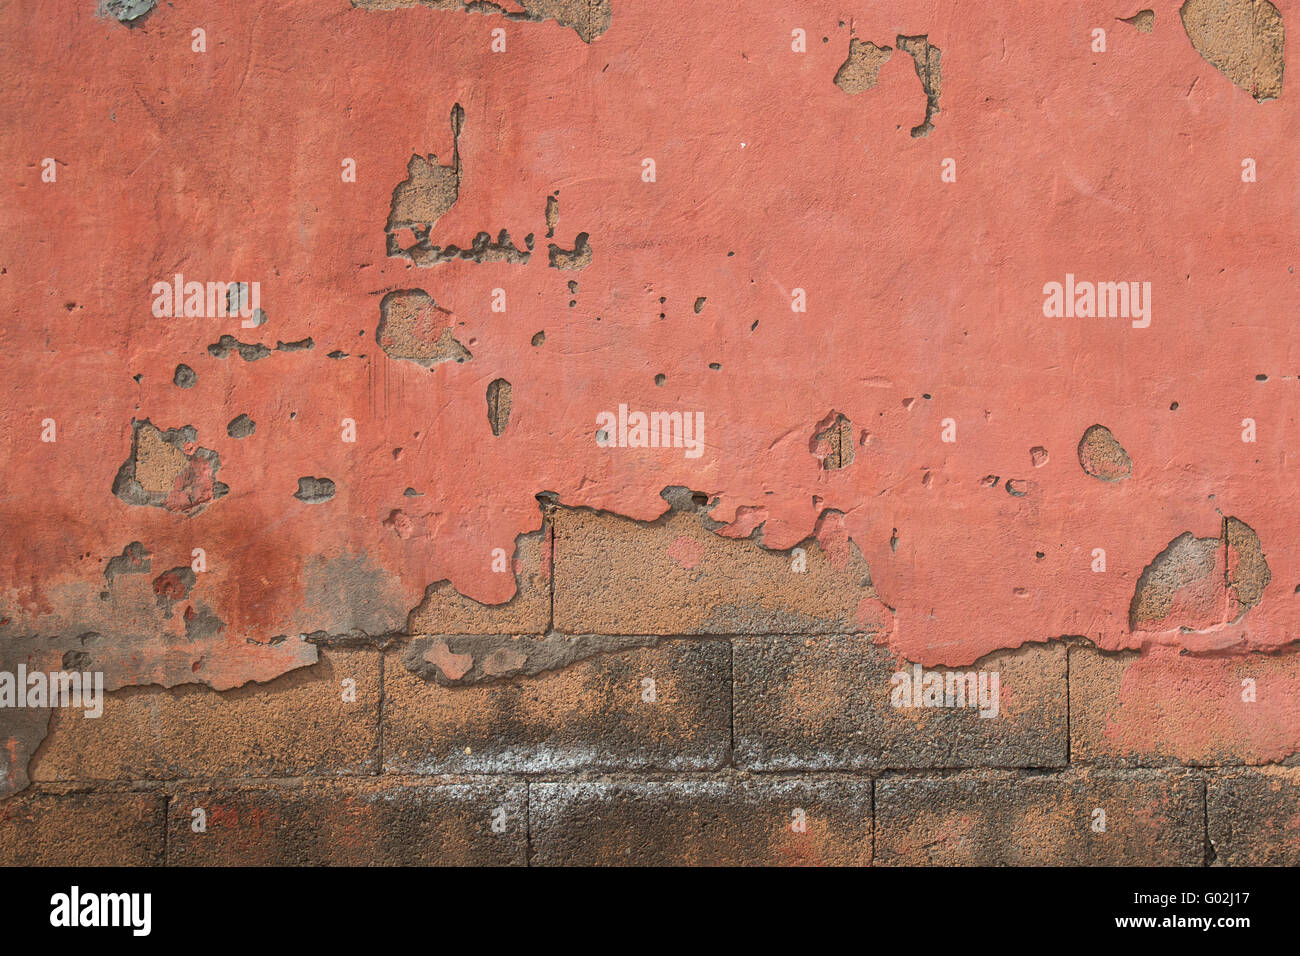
x=129, y=12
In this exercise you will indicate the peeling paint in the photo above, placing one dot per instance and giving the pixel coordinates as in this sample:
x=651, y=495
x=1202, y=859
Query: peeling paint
x=129, y=12
x=413, y=327
x=925, y=57
x=499, y=401
x=167, y=469
x=859, y=72
x=913, y=287
x=1102, y=456
x=1242, y=39
x=587, y=18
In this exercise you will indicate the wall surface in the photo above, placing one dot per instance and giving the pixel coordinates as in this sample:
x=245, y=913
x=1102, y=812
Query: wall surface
x=613, y=431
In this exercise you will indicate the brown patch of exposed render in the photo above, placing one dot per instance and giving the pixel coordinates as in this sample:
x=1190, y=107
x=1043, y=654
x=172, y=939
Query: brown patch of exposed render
x=588, y=18
x=861, y=70
x=575, y=259
x=1180, y=587
x=430, y=189
x=1201, y=583
x=158, y=463
x=552, y=215
x=428, y=192
x=425, y=195
x=1102, y=456
x=1248, y=571
x=499, y=402
x=832, y=442
x=482, y=248
x=618, y=576
x=420, y=201
x=167, y=469
x=413, y=327
x=1242, y=39
x=925, y=57
x=579, y=257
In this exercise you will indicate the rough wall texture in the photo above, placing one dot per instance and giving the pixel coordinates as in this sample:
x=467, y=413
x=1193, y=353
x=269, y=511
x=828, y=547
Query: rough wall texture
x=559, y=431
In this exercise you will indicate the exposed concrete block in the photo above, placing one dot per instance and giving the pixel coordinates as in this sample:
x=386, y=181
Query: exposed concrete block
x=827, y=703
x=1168, y=708
x=298, y=724
x=703, y=822
x=1254, y=816
x=388, y=822
x=63, y=827
x=666, y=707
x=990, y=818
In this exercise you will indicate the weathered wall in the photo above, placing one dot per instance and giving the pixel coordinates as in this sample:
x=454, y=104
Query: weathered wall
x=375, y=545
